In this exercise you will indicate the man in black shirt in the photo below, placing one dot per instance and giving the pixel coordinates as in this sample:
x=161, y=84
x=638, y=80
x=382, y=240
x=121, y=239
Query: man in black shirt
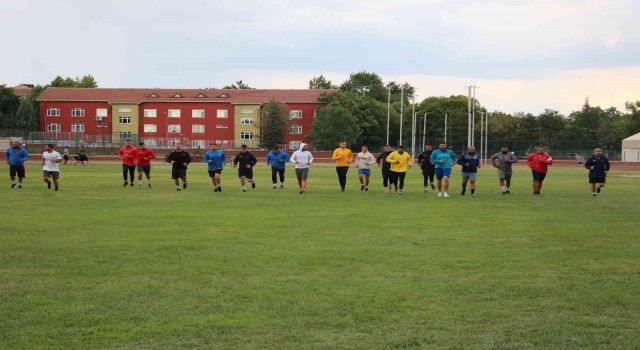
x=386, y=167
x=428, y=169
x=179, y=160
x=598, y=166
x=245, y=171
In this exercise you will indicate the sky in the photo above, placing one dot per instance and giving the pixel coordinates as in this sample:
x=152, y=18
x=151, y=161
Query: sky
x=524, y=56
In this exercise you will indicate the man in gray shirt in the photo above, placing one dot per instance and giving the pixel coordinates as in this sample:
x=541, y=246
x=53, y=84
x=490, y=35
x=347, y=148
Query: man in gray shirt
x=503, y=161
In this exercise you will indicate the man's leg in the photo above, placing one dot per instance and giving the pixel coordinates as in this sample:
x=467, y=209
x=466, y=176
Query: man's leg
x=132, y=173
x=125, y=170
x=473, y=187
x=366, y=181
x=281, y=174
x=274, y=179
x=445, y=185
x=465, y=178
x=401, y=176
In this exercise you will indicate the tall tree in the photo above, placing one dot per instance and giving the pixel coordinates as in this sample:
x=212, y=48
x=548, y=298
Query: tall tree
x=238, y=85
x=87, y=81
x=365, y=84
x=331, y=125
x=26, y=118
x=551, y=124
x=9, y=102
x=321, y=83
x=273, y=124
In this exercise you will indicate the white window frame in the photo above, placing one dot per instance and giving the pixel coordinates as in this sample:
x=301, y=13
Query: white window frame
x=124, y=110
x=102, y=112
x=150, y=143
x=173, y=142
x=124, y=120
x=77, y=112
x=294, y=144
x=197, y=113
x=246, y=121
x=173, y=113
x=295, y=114
x=53, y=127
x=124, y=135
x=247, y=111
x=222, y=113
x=150, y=128
x=197, y=129
x=222, y=126
x=150, y=113
x=295, y=129
x=246, y=135
x=53, y=112
x=197, y=143
x=77, y=127
x=174, y=128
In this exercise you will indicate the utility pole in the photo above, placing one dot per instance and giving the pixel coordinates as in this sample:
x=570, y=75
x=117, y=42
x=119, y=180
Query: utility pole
x=388, y=111
x=424, y=131
x=413, y=128
x=401, y=110
x=445, y=127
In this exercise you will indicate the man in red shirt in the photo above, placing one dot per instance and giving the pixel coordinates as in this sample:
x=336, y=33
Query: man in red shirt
x=143, y=159
x=128, y=156
x=539, y=163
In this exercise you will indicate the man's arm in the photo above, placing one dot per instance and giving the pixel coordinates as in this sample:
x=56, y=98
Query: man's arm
x=335, y=155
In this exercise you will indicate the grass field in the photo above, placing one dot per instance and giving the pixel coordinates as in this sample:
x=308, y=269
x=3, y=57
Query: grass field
x=96, y=265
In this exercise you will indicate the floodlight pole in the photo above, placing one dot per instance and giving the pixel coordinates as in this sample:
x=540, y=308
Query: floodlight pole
x=424, y=131
x=413, y=128
x=388, y=111
x=468, y=115
x=482, y=114
x=401, y=110
x=445, y=127
x=486, y=136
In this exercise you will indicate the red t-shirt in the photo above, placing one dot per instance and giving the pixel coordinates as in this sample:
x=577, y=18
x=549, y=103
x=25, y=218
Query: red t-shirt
x=128, y=156
x=539, y=162
x=146, y=153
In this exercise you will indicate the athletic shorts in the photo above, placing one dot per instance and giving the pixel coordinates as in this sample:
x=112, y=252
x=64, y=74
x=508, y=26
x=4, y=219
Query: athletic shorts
x=52, y=174
x=504, y=175
x=538, y=176
x=597, y=180
x=65, y=157
x=144, y=168
x=245, y=172
x=366, y=172
x=302, y=173
x=178, y=173
x=126, y=168
x=442, y=172
x=469, y=176
x=213, y=172
x=16, y=169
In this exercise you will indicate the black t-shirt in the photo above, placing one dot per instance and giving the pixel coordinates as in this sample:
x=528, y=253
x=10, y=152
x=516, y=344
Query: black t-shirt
x=245, y=159
x=382, y=158
x=424, y=160
x=180, y=158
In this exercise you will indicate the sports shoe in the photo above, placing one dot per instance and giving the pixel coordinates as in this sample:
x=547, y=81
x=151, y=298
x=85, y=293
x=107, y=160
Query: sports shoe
x=362, y=188
x=56, y=188
x=342, y=189
x=215, y=189
x=19, y=185
x=473, y=195
x=253, y=184
x=504, y=192
x=508, y=192
x=275, y=186
x=282, y=185
x=301, y=192
x=131, y=184
x=366, y=189
x=598, y=189
x=149, y=185
x=439, y=194
x=125, y=184
x=595, y=194
x=13, y=185
x=244, y=190
x=426, y=190
x=219, y=188
x=49, y=185
x=177, y=189
x=139, y=186
x=464, y=190
x=445, y=195
x=399, y=192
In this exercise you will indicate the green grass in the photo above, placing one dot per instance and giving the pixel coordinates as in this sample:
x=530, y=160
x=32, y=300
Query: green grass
x=100, y=266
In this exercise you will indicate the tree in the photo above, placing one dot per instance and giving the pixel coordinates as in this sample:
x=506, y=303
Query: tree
x=365, y=84
x=321, y=83
x=9, y=104
x=238, y=85
x=87, y=81
x=331, y=125
x=551, y=124
x=26, y=118
x=273, y=124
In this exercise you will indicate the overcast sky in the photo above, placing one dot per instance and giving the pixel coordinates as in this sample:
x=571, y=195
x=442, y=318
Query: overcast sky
x=524, y=55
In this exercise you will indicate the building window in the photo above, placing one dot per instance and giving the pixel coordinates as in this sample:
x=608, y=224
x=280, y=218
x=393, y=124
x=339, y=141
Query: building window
x=247, y=111
x=77, y=127
x=102, y=125
x=124, y=135
x=197, y=143
x=150, y=143
x=223, y=113
x=77, y=112
x=150, y=128
x=150, y=113
x=197, y=113
x=295, y=114
x=153, y=95
x=173, y=142
x=222, y=126
x=174, y=113
x=173, y=128
x=124, y=120
x=246, y=121
x=295, y=129
x=53, y=112
x=294, y=144
x=101, y=112
x=201, y=95
x=246, y=135
x=124, y=110
x=197, y=128
x=53, y=127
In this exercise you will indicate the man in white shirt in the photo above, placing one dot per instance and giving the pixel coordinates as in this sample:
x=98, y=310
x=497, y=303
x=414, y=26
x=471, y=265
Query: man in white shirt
x=302, y=159
x=50, y=169
x=364, y=160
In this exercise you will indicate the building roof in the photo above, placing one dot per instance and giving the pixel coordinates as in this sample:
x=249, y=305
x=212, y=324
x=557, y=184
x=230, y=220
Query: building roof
x=22, y=89
x=632, y=142
x=136, y=96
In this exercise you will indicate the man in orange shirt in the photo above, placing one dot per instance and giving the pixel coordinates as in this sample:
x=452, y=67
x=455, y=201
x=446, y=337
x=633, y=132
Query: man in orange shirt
x=343, y=157
x=143, y=159
x=128, y=156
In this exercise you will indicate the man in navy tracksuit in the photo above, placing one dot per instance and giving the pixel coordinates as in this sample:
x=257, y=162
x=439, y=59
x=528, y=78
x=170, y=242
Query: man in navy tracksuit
x=277, y=159
x=598, y=166
x=470, y=162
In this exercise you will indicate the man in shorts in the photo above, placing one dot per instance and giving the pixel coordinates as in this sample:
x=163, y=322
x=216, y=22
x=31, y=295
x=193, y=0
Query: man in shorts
x=128, y=156
x=598, y=166
x=470, y=162
x=179, y=160
x=443, y=159
x=503, y=161
x=215, y=159
x=364, y=161
x=143, y=161
x=277, y=160
x=539, y=163
x=50, y=168
x=302, y=159
x=246, y=161
x=15, y=157
x=386, y=167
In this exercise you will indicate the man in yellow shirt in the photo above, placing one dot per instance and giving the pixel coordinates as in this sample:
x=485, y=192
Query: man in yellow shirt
x=343, y=157
x=400, y=162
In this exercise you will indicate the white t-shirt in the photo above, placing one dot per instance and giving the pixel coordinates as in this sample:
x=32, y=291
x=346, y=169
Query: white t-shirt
x=304, y=158
x=50, y=161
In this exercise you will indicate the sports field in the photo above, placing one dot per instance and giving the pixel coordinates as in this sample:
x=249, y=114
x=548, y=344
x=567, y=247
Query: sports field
x=96, y=265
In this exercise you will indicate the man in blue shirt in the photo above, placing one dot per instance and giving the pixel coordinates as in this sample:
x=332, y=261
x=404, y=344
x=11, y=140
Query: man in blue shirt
x=443, y=159
x=15, y=157
x=470, y=162
x=277, y=160
x=215, y=160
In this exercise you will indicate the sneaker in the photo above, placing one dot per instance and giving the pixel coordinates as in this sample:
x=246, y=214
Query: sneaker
x=149, y=185
x=125, y=184
x=439, y=194
x=275, y=186
x=282, y=185
x=139, y=186
x=342, y=189
x=301, y=192
x=177, y=189
x=219, y=188
x=598, y=189
x=446, y=195
x=504, y=192
x=399, y=192
x=19, y=185
x=244, y=190
x=362, y=188
x=366, y=189
x=433, y=187
x=595, y=194
x=253, y=184
x=131, y=184
x=56, y=188
x=464, y=190
x=13, y=185
x=49, y=185
x=508, y=192
x=426, y=190
x=473, y=195
x=215, y=189
x=184, y=185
